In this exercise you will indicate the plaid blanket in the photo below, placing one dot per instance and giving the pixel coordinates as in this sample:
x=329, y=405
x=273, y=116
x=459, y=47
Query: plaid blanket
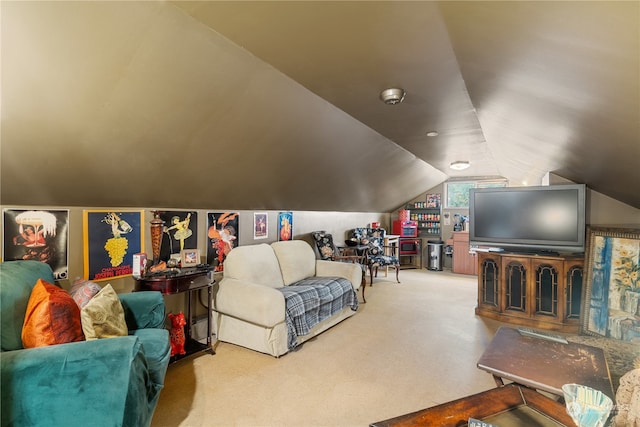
x=312, y=300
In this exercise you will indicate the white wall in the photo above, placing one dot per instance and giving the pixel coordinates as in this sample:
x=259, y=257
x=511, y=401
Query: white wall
x=304, y=222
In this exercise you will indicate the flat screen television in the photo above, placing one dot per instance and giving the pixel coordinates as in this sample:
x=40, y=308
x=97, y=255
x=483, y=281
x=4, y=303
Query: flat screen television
x=529, y=219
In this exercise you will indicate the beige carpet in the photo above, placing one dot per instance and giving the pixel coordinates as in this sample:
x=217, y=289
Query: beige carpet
x=411, y=346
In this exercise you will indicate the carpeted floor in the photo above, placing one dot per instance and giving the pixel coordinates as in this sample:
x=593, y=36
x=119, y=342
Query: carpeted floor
x=411, y=346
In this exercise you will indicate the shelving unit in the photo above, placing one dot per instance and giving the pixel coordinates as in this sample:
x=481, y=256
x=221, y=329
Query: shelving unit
x=428, y=219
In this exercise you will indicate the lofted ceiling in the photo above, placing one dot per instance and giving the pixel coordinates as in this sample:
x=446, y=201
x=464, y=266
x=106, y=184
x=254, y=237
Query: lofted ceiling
x=275, y=105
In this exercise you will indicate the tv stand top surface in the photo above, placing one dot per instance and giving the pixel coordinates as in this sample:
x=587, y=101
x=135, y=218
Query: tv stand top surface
x=535, y=253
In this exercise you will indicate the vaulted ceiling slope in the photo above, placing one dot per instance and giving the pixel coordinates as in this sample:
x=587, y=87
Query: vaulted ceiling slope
x=274, y=105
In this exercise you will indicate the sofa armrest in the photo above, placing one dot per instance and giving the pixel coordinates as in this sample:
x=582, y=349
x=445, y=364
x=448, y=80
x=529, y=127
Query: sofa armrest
x=248, y=301
x=143, y=309
x=349, y=270
x=98, y=383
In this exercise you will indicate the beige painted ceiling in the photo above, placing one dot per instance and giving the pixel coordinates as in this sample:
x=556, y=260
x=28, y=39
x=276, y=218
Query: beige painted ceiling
x=275, y=105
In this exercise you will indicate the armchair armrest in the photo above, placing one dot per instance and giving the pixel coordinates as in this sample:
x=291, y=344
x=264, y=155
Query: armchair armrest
x=350, y=271
x=251, y=302
x=108, y=375
x=143, y=309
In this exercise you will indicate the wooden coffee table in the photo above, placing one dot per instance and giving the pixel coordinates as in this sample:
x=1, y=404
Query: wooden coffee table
x=544, y=365
x=510, y=405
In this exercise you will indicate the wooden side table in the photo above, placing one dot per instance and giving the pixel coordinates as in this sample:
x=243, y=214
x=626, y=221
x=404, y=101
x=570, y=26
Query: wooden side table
x=390, y=248
x=185, y=280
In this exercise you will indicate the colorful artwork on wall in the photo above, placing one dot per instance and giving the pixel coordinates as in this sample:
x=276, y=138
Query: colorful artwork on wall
x=41, y=235
x=260, y=225
x=611, y=306
x=285, y=226
x=433, y=200
x=111, y=238
x=180, y=232
x=222, y=236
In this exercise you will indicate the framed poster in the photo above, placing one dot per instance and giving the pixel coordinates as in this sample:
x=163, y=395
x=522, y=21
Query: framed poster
x=433, y=200
x=41, y=235
x=180, y=232
x=222, y=236
x=611, y=302
x=110, y=240
x=260, y=225
x=285, y=226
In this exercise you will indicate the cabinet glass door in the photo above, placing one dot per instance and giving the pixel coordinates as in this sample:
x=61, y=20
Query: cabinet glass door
x=489, y=286
x=516, y=287
x=574, y=292
x=546, y=283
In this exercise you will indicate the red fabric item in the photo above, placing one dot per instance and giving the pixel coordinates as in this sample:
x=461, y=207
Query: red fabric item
x=177, y=333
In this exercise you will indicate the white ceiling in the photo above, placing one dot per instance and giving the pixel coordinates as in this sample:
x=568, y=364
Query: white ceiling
x=274, y=105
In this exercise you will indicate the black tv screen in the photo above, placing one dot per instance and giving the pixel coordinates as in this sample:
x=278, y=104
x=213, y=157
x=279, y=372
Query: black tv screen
x=550, y=218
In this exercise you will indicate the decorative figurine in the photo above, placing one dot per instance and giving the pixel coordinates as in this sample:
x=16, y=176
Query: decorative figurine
x=176, y=334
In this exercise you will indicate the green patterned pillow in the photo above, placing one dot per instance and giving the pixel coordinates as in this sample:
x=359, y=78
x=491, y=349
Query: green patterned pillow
x=103, y=316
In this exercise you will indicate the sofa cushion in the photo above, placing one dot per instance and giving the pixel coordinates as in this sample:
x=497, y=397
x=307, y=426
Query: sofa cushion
x=83, y=290
x=17, y=278
x=52, y=317
x=297, y=260
x=254, y=263
x=103, y=316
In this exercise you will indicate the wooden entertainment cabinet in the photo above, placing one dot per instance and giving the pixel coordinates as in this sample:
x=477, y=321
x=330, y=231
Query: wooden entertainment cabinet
x=540, y=291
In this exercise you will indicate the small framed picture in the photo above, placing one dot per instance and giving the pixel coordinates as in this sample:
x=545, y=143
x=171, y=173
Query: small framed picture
x=433, y=200
x=190, y=257
x=260, y=225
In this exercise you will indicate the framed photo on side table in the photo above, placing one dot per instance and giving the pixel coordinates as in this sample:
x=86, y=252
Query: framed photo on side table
x=189, y=257
x=611, y=298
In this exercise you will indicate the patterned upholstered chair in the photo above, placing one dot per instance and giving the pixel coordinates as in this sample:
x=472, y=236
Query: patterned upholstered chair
x=377, y=254
x=329, y=252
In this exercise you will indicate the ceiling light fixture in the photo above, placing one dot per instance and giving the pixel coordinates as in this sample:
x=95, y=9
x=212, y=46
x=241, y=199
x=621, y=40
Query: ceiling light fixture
x=459, y=165
x=392, y=96
x=432, y=133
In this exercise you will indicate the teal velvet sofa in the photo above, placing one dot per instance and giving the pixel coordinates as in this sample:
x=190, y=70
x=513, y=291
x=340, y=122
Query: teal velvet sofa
x=103, y=382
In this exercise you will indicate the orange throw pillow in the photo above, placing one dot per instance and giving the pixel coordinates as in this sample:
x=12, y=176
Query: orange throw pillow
x=52, y=317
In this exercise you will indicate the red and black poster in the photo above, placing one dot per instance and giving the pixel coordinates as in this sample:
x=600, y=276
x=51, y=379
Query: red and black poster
x=222, y=236
x=40, y=235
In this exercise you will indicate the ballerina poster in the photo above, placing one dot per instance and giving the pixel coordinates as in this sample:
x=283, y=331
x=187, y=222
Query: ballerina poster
x=110, y=240
x=41, y=235
x=180, y=231
x=222, y=236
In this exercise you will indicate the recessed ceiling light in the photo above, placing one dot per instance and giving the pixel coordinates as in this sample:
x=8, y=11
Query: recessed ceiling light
x=432, y=133
x=459, y=165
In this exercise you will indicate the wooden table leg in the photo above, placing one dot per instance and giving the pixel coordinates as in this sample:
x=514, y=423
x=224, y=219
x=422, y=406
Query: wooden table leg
x=498, y=381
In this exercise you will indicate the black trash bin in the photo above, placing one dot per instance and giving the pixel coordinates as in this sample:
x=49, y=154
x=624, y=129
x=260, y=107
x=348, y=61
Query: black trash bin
x=434, y=254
